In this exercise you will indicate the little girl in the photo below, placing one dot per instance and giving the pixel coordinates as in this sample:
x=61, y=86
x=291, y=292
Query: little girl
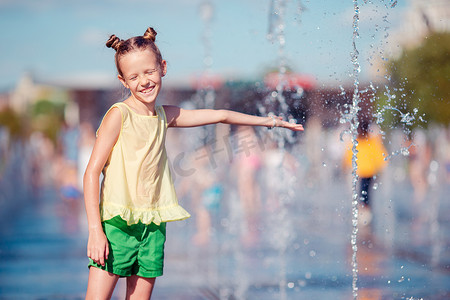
x=127, y=231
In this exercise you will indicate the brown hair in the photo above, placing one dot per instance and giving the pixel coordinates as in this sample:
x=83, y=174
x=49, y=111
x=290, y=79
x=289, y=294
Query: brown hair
x=144, y=42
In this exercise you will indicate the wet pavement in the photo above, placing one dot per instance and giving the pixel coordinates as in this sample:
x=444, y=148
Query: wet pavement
x=404, y=255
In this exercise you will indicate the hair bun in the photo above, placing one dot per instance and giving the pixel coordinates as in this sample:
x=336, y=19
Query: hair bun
x=150, y=34
x=113, y=42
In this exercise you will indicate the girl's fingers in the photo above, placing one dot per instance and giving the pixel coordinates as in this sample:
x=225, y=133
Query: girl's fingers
x=101, y=261
x=98, y=256
x=292, y=126
x=106, y=252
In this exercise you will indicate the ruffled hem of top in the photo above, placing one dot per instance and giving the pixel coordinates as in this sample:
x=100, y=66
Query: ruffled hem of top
x=167, y=214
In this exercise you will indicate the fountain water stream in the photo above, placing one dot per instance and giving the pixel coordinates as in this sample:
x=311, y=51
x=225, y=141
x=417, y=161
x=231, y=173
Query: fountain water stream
x=276, y=34
x=205, y=95
x=351, y=117
x=354, y=123
x=275, y=104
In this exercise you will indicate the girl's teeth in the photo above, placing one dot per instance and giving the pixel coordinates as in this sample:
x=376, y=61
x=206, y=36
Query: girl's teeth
x=147, y=90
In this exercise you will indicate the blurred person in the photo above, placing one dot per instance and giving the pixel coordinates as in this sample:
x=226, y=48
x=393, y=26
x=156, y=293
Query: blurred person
x=335, y=150
x=247, y=164
x=68, y=141
x=201, y=184
x=419, y=159
x=277, y=163
x=66, y=174
x=70, y=194
x=371, y=160
x=313, y=138
x=209, y=205
x=127, y=227
x=85, y=145
x=4, y=148
x=446, y=155
x=444, y=150
x=35, y=162
x=41, y=151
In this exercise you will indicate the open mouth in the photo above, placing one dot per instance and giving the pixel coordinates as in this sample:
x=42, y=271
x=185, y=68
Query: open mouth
x=147, y=90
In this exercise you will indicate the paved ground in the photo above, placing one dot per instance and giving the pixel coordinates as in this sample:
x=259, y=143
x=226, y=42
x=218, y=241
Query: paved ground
x=405, y=255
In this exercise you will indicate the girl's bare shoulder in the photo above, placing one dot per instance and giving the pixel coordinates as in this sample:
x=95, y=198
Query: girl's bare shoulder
x=112, y=122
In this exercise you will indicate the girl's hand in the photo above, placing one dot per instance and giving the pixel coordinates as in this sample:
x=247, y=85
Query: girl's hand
x=279, y=122
x=97, y=248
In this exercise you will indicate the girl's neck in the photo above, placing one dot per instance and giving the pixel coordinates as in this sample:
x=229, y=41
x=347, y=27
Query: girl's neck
x=146, y=109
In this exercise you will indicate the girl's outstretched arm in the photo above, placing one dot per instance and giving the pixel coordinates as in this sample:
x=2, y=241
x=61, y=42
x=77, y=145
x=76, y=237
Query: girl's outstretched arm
x=178, y=117
x=97, y=248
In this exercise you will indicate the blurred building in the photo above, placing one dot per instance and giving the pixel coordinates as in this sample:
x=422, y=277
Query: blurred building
x=86, y=101
x=25, y=94
x=83, y=101
x=418, y=20
x=30, y=90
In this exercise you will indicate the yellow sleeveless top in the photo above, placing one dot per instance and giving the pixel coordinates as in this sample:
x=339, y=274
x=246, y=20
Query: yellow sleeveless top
x=370, y=157
x=137, y=184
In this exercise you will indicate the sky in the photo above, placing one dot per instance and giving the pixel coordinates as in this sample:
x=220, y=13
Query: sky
x=64, y=41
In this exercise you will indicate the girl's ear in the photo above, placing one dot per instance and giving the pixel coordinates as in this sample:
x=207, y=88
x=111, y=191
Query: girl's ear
x=122, y=80
x=163, y=68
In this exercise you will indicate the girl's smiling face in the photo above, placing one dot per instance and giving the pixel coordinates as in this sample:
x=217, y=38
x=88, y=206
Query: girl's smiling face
x=142, y=74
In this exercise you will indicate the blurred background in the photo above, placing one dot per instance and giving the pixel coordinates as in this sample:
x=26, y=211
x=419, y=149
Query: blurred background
x=271, y=213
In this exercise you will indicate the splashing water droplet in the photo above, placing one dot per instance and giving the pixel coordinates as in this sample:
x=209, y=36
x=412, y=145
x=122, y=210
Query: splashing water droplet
x=341, y=135
x=404, y=151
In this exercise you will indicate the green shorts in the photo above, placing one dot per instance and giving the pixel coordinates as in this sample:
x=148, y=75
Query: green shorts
x=134, y=250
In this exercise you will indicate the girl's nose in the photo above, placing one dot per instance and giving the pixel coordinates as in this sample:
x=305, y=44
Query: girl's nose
x=144, y=81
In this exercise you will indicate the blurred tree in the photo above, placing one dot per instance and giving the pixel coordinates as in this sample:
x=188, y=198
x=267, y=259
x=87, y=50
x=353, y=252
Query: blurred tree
x=13, y=122
x=420, y=80
x=47, y=117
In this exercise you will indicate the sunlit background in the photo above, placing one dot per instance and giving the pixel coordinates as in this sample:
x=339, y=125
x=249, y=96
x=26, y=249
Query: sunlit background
x=271, y=214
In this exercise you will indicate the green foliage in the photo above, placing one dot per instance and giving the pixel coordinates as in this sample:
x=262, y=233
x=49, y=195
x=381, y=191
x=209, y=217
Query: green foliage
x=12, y=121
x=47, y=117
x=46, y=107
x=420, y=80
